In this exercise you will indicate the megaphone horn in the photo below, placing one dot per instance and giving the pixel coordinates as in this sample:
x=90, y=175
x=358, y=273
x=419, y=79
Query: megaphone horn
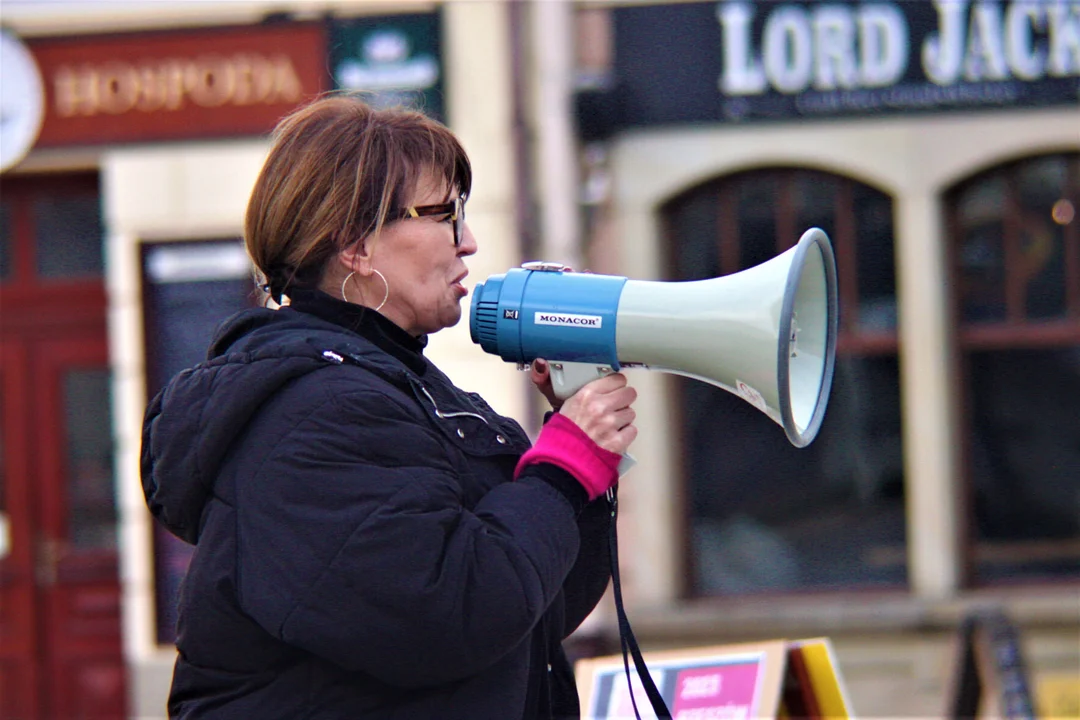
x=766, y=334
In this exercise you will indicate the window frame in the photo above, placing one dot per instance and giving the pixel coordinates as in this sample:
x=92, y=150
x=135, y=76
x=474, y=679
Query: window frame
x=851, y=339
x=1016, y=331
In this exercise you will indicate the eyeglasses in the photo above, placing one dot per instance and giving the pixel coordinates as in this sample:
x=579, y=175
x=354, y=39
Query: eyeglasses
x=455, y=209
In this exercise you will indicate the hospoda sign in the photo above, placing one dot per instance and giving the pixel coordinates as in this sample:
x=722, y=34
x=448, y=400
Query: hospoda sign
x=739, y=60
x=176, y=84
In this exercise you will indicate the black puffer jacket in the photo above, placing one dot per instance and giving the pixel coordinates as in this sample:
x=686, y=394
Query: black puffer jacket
x=361, y=550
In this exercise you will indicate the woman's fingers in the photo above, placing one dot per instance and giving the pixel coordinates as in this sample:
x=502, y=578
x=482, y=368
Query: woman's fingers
x=539, y=371
x=602, y=410
x=540, y=374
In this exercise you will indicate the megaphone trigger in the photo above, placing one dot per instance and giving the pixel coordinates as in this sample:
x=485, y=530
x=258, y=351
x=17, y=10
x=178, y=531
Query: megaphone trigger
x=569, y=377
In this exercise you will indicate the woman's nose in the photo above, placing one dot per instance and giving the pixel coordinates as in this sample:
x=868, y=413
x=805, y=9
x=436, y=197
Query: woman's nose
x=468, y=242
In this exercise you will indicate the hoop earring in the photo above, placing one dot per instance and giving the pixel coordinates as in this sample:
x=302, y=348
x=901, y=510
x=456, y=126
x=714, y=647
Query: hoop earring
x=343, y=283
x=386, y=295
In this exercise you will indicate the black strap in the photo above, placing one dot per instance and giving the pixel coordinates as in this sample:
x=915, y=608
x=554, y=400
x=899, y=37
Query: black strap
x=626, y=635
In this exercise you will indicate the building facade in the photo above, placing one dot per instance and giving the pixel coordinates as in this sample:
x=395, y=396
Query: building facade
x=938, y=144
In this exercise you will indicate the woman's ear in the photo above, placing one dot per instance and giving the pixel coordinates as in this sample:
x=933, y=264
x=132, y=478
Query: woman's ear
x=356, y=257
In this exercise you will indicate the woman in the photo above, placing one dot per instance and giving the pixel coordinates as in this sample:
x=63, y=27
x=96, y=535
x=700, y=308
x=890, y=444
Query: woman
x=372, y=541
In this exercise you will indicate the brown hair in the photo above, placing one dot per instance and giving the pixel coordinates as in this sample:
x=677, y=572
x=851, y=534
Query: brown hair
x=337, y=171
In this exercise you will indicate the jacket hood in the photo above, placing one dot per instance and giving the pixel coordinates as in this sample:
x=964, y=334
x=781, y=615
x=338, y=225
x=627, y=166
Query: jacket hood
x=191, y=424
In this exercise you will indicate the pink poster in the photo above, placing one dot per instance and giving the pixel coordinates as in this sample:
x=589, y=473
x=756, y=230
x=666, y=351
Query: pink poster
x=716, y=692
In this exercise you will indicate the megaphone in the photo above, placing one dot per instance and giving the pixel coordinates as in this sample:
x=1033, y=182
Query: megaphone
x=766, y=334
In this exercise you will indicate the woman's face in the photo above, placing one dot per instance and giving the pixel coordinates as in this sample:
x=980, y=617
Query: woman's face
x=422, y=267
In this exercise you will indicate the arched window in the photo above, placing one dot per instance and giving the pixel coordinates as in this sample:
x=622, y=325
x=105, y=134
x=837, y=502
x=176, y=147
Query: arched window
x=1015, y=256
x=763, y=516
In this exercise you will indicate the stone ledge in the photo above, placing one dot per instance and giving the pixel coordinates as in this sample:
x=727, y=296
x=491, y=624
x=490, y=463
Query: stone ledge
x=731, y=620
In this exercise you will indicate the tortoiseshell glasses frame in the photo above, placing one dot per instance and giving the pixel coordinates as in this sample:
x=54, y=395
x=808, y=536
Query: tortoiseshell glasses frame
x=455, y=209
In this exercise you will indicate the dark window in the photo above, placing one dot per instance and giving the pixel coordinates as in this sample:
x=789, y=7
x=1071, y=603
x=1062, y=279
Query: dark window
x=1016, y=260
x=763, y=515
x=51, y=231
x=91, y=488
x=69, y=236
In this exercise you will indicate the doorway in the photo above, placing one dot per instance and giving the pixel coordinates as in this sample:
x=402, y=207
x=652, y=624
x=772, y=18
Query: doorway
x=60, y=624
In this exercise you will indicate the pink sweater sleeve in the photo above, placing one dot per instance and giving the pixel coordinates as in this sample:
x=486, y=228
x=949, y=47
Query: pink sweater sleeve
x=564, y=444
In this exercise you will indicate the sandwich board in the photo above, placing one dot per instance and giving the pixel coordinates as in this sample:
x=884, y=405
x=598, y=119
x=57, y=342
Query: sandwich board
x=990, y=678
x=777, y=679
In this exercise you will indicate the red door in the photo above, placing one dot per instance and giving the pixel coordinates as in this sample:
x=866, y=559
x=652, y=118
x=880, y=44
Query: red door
x=60, y=645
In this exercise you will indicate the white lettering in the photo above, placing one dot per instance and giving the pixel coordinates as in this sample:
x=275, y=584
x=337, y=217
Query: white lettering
x=788, y=50
x=742, y=73
x=942, y=52
x=844, y=47
x=985, y=57
x=834, y=46
x=701, y=686
x=1024, y=61
x=1064, y=38
x=883, y=45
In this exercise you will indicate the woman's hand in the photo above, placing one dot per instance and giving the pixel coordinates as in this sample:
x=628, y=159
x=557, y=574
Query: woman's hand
x=602, y=410
x=540, y=374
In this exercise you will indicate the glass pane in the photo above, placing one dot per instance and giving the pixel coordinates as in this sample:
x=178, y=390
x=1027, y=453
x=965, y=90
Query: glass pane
x=1040, y=184
x=91, y=490
x=981, y=255
x=1042, y=249
x=697, y=254
x=766, y=516
x=6, y=241
x=814, y=197
x=758, y=196
x=69, y=236
x=1025, y=458
x=876, y=259
x=1041, y=181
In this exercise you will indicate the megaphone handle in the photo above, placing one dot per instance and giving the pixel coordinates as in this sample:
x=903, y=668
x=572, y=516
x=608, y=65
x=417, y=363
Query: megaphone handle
x=569, y=377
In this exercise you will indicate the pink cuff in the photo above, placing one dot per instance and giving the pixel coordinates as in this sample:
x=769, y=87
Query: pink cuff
x=564, y=444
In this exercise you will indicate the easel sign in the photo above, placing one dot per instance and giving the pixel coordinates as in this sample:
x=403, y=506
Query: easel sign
x=733, y=682
x=776, y=679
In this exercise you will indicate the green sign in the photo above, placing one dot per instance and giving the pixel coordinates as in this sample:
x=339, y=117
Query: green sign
x=393, y=59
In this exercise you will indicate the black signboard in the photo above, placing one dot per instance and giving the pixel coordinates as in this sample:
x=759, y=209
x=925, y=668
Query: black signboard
x=394, y=60
x=740, y=61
